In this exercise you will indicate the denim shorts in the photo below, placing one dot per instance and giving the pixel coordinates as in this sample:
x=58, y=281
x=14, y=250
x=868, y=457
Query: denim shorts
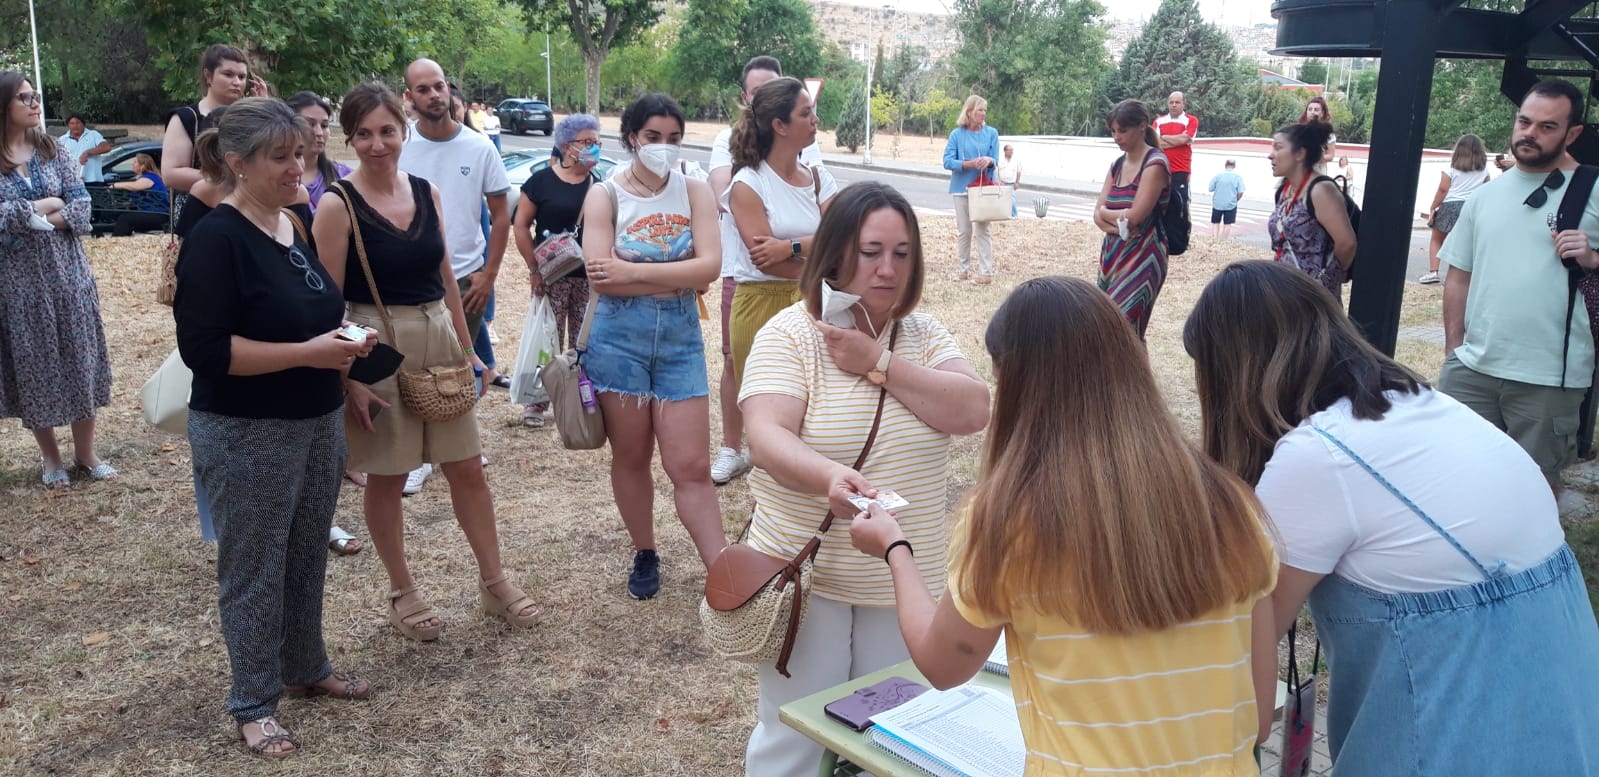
x=648, y=347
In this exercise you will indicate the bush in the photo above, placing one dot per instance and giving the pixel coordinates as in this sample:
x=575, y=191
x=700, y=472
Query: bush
x=851, y=132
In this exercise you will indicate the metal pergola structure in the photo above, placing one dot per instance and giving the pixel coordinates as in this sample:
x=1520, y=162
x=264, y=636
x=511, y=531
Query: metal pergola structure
x=1535, y=39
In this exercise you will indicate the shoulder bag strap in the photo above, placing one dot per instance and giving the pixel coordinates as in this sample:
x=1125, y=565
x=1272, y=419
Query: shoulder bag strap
x=582, y=343
x=299, y=227
x=360, y=251
x=816, y=184
x=1569, y=216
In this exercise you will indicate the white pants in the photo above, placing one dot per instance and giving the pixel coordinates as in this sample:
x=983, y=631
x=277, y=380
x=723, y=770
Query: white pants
x=964, y=227
x=837, y=643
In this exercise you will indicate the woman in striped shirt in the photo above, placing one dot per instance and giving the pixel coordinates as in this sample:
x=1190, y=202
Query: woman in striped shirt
x=809, y=394
x=1132, y=588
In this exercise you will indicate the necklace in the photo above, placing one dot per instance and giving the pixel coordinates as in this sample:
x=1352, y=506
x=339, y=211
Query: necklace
x=640, y=184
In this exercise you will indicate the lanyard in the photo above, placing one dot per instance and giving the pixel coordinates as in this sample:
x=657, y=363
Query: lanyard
x=1282, y=234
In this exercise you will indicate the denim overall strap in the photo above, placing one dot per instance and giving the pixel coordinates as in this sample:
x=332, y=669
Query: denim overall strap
x=1400, y=495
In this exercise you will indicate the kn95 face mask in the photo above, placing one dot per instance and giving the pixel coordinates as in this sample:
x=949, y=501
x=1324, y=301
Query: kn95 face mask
x=659, y=158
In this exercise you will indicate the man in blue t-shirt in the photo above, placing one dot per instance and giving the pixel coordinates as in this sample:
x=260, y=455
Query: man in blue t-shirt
x=1226, y=189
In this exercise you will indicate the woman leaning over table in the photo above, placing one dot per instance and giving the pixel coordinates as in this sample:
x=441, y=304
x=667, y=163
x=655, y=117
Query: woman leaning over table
x=54, y=368
x=645, y=355
x=258, y=321
x=149, y=196
x=388, y=439
x=1136, y=608
x=971, y=151
x=808, y=399
x=1460, y=638
x=552, y=201
x=776, y=203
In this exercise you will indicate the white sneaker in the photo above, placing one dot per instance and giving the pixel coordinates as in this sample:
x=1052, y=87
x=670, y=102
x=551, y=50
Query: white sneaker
x=494, y=339
x=418, y=476
x=729, y=464
x=1428, y=277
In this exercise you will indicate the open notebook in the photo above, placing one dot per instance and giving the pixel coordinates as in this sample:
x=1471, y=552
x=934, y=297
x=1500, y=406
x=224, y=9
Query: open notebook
x=998, y=661
x=969, y=731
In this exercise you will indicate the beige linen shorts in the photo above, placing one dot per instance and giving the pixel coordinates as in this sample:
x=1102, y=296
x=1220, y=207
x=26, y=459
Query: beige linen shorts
x=401, y=441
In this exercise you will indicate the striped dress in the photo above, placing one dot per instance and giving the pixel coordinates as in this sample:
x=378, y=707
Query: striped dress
x=1131, y=271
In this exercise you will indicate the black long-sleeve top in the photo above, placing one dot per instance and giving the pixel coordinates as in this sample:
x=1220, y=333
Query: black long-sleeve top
x=234, y=279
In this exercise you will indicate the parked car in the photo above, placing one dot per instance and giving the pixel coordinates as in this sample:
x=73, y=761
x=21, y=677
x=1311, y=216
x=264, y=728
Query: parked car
x=520, y=116
x=107, y=204
x=521, y=165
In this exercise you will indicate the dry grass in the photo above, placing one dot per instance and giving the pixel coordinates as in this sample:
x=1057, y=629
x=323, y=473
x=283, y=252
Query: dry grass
x=606, y=686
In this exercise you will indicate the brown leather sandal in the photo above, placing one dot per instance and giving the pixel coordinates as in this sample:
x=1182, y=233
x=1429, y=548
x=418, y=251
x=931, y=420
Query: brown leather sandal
x=406, y=620
x=508, y=610
x=272, y=733
x=344, y=686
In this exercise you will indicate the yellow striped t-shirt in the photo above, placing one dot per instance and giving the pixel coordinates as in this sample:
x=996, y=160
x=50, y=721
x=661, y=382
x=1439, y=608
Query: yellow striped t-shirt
x=1173, y=703
x=790, y=358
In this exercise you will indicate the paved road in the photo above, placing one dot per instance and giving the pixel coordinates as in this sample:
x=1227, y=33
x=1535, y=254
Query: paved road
x=930, y=195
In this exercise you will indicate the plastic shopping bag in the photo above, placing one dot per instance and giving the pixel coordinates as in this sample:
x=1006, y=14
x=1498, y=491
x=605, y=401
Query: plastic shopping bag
x=536, y=350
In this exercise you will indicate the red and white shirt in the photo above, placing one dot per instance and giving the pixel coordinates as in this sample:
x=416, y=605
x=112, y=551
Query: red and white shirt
x=1181, y=157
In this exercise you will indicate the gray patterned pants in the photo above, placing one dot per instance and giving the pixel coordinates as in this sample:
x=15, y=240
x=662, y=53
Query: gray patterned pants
x=272, y=486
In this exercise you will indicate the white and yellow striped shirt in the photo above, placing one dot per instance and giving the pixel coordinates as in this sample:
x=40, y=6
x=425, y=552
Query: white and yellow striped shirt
x=790, y=358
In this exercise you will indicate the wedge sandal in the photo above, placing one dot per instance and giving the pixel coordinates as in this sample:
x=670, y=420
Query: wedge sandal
x=510, y=609
x=406, y=620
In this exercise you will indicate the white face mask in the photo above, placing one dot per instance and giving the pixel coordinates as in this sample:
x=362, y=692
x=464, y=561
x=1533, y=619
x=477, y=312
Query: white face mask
x=836, y=307
x=659, y=158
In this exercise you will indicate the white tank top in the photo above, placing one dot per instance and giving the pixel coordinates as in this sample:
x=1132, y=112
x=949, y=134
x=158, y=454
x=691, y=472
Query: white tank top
x=1462, y=183
x=653, y=229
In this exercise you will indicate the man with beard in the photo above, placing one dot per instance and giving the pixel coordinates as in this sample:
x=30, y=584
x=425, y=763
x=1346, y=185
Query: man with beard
x=466, y=169
x=1517, y=345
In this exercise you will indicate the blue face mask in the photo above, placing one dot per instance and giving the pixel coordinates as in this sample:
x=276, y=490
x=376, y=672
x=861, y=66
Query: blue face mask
x=589, y=157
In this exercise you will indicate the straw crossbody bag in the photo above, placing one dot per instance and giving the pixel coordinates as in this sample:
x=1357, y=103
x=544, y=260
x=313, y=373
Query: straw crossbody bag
x=435, y=394
x=755, y=602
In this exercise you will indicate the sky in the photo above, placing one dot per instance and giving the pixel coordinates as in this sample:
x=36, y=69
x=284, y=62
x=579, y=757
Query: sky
x=1232, y=12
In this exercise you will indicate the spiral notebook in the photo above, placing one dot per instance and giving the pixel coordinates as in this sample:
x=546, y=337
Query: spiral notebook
x=968, y=731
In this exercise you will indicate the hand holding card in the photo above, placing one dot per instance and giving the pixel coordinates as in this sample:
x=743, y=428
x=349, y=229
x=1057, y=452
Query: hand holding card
x=888, y=500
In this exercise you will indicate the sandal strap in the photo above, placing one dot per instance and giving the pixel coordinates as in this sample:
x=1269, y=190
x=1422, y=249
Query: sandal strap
x=487, y=584
x=399, y=592
x=522, y=603
x=272, y=733
x=415, y=613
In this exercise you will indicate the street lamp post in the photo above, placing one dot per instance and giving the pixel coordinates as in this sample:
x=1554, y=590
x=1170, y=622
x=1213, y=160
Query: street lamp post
x=38, y=82
x=549, y=91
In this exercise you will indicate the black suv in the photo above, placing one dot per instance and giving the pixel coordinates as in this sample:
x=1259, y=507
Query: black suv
x=520, y=115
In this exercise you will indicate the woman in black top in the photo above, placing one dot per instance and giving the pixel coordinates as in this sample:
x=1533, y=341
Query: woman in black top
x=398, y=217
x=224, y=77
x=258, y=322
x=552, y=200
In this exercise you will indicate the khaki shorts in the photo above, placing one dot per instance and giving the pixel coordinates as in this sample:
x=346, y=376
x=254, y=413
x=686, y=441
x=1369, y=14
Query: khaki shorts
x=400, y=441
x=1543, y=420
x=754, y=304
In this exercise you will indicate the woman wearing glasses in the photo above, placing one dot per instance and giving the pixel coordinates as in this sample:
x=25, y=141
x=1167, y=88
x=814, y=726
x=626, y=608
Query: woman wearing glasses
x=552, y=200
x=258, y=322
x=54, y=370
x=1309, y=227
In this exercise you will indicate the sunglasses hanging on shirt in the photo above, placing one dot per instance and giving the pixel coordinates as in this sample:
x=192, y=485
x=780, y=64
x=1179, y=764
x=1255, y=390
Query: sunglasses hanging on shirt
x=1540, y=195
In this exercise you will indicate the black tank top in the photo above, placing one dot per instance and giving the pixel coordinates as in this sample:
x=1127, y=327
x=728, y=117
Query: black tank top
x=405, y=263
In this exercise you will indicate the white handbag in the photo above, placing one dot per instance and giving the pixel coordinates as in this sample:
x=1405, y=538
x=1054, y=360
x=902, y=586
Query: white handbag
x=987, y=201
x=165, y=396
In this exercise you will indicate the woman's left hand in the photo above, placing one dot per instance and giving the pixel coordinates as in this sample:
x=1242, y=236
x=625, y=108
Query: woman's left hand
x=609, y=272
x=874, y=530
x=259, y=87
x=770, y=252
x=854, y=351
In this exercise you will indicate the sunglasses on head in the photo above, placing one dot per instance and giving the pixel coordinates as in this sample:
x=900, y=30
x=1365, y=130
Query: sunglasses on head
x=1540, y=195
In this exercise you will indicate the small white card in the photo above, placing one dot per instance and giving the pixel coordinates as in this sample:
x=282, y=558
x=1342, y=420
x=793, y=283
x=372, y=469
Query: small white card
x=888, y=500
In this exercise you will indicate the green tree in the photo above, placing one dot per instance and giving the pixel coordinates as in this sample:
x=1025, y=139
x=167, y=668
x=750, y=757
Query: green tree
x=1031, y=59
x=936, y=112
x=92, y=60
x=637, y=68
x=719, y=36
x=1466, y=98
x=851, y=132
x=842, y=79
x=596, y=28
x=1313, y=71
x=1179, y=51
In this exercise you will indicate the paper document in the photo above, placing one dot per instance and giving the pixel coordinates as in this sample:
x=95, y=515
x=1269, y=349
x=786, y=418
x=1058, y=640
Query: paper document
x=968, y=731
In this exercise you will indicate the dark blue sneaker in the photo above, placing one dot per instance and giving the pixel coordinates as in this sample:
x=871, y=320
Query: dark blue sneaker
x=646, y=578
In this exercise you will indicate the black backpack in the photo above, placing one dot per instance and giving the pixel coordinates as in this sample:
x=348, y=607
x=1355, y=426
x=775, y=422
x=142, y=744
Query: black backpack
x=1350, y=208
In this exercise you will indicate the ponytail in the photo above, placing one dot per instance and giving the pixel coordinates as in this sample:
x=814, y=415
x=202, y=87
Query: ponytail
x=754, y=137
x=208, y=149
x=745, y=144
x=1151, y=137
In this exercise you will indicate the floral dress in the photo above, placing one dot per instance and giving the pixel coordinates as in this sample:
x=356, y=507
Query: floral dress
x=1298, y=239
x=54, y=369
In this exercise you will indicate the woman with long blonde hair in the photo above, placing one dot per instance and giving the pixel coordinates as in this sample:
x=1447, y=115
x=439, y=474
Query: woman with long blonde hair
x=971, y=152
x=1132, y=589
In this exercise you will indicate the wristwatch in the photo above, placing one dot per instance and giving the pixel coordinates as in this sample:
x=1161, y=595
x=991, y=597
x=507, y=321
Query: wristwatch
x=879, y=375
x=795, y=245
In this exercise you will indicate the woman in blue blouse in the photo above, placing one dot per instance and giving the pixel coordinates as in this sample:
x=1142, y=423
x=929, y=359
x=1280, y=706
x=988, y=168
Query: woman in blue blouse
x=152, y=204
x=972, y=148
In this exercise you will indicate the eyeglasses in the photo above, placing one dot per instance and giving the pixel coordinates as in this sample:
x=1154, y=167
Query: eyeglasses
x=586, y=143
x=29, y=99
x=1540, y=195
x=301, y=262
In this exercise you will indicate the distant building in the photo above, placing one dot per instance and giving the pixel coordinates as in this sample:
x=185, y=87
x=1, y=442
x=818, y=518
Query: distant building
x=1269, y=78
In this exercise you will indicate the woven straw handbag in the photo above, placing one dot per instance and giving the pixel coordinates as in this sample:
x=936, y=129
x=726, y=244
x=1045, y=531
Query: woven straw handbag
x=434, y=394
x=166, y=286
x=755, y=602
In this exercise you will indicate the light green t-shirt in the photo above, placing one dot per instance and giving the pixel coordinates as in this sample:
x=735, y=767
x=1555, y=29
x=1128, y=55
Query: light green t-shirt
x=1516, y=307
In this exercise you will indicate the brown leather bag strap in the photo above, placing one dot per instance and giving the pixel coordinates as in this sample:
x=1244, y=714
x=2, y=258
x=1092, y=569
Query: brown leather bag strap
x=871, y=438
x=360, y=251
